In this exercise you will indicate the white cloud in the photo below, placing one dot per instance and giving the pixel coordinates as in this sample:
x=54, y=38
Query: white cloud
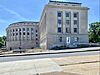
x=12, y=12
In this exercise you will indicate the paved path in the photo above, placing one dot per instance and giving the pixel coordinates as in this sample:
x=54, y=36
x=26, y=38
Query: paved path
x=29, y=67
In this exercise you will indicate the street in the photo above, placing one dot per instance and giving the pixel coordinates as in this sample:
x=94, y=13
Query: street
x=17, y=58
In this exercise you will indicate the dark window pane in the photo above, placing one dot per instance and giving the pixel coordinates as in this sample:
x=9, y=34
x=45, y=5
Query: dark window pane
x=19, y=29
x=27, y=29
x=75, y=30
x=67, y=14
x=67, y=30
x=31, y=29
x=23, y=29
x=20, y=33
x=59, y=22
x=36, y=34
x=59, y=14
x=32, y=33
x=16, y=33
x=36, y=39
x=24, y=33
x=27, y=33
x=13, y=30
x=59, y=29
x=13, y=34
x=36, y=42
x=16, y=29
x=67, y=22
x=75, y=15
x=36, y=30
x=75, y=22
x=60, y=39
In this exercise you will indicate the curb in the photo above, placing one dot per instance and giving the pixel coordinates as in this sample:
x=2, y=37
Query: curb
x=46, y=53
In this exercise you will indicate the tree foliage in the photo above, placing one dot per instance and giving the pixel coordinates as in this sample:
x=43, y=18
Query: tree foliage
x=94, y=32
x=2, y=41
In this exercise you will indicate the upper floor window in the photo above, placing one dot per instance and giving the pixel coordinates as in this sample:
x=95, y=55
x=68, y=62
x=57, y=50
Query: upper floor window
x=31, y=29
x=67, y=14
x=23, y=33
x=59, y=22
x=36, y=39
x=59, y=14
x=23, y=29
x=27, y=29
x=59, y=29
x=36, y=30
x=36, y=35
x=75, y=22
x=19, y=29
x=27, y=33
x=75, y=15
x=16, y=33
x=13, y=30
x=75, y=30
x=67, y=22
x=16, y=29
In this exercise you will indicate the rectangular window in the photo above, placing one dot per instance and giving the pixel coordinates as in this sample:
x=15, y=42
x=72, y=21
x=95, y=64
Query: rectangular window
x=67, y=22
x=16, y=33
x=27, y=33
x=67, y=30
x=60, y=39
x=32, y=33
x=59, y=29
x=27, y=29
x=75, y=30
x=36, y=30
x=75, y=22
x=16, y=29
x=36, y=35
x=75, y=15
x=19, y=29
x=23, y=29
x=23, y=33
x=67, y=14
x=59, y=14
x=13, y=30
x=36, y=39
x=31, y=29
x=20, y=33
x=59, y=22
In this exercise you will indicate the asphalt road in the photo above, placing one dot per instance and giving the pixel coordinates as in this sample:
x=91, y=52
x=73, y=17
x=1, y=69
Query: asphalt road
x=17, y=58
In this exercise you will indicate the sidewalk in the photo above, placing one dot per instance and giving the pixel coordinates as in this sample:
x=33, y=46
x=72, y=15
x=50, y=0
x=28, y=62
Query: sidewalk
x=55, y=52
x=55, y=66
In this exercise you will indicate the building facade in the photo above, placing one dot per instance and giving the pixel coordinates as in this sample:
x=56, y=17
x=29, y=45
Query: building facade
x=63, y=24
x=24, y=35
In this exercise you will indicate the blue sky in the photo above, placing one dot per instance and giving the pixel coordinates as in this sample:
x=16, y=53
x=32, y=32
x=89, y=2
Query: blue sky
x=25, y=10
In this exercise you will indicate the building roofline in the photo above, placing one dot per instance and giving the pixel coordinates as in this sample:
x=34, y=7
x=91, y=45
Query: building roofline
x=65, y=2
x=23, y=22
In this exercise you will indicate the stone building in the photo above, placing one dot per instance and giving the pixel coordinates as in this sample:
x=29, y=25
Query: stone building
x=22, y=35
x=63, y=24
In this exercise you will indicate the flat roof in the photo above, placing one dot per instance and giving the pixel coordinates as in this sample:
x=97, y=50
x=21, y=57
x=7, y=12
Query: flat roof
x=23, y=22
x=65, y=2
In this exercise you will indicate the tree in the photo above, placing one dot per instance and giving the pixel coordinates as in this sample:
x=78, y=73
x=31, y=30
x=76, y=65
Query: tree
x=2, y=41
x=94, y=32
